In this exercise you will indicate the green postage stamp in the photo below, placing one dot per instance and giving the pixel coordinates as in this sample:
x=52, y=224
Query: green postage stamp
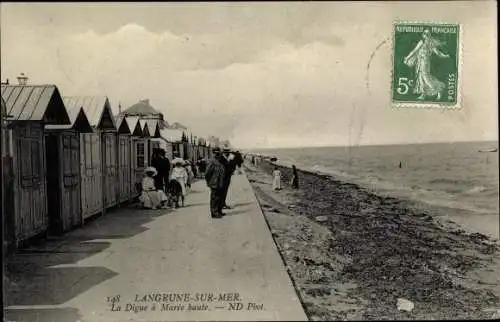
x=426, y=65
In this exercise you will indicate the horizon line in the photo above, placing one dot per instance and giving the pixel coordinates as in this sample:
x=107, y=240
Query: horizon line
x=364, y=145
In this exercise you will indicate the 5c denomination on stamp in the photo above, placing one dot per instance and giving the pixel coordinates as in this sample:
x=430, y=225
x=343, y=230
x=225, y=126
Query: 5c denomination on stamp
x=426, y=65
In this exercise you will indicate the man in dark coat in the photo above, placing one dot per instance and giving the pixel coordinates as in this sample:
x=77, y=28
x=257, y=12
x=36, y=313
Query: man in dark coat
x=155, y=163
x=238, y=160
x=164, y=170
x=202, y=166
x=215, y=175
x=230, y=166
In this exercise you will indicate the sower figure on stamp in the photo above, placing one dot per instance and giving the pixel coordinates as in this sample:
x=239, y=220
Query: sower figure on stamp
x=426, y=84
x=230, y=166
x=215, y=175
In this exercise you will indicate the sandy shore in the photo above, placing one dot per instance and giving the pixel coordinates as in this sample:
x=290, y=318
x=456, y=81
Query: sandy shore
x=353, y=254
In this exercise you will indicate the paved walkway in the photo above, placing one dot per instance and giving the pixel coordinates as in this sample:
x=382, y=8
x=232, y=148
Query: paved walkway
x=191, y=266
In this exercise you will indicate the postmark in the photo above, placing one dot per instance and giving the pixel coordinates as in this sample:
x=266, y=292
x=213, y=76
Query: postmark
x=426, y=64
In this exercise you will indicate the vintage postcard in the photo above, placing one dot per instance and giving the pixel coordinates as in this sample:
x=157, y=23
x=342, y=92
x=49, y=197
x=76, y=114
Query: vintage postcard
x=249, y=161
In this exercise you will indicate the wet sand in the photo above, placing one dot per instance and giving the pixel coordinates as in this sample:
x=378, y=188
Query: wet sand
x=352, y=253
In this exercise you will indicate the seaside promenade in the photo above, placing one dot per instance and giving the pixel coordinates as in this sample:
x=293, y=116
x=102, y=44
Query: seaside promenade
x=163, y=265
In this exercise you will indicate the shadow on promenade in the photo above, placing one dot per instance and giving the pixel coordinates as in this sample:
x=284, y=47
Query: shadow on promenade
x=43, y=315
x=49, y=274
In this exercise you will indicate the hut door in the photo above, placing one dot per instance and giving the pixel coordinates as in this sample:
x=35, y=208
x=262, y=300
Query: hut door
x=110, y=170
x=90, y=170
x=70, y=205
x=31, y=202
x=8, y=210
x=138, y=162
x=124, y=165
x=53, y=187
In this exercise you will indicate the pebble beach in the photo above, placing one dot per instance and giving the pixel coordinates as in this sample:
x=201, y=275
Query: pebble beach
x=354, y=255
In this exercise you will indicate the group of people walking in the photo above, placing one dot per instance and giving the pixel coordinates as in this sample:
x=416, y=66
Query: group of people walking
x=166, y=183
x=218, y=177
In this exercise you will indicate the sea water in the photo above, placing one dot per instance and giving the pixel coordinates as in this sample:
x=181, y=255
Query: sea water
x=451, y=175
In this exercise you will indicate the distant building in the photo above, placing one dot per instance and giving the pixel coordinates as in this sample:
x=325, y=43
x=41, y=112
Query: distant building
x=178, y=126
x=175, y=137
x=144, y=111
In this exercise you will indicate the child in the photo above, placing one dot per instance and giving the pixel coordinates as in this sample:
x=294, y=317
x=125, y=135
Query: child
x=276, y=179
x=175, y=197
x=179, y=174
x=150, y=197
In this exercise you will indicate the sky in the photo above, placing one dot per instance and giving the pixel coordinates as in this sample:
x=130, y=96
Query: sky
x=259, y=74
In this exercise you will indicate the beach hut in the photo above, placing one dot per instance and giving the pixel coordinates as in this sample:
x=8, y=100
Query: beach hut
x=29, y=108
x=124, y=159
x=197, y=148
x=62, y=147
x=138, y=161
x=203, y=147
x=146, y=131
x=164, y=144
x=4, y=169
x=109, y=141
x=92, y=161
x=154, y=131
x=174, y=137
x=154, y=128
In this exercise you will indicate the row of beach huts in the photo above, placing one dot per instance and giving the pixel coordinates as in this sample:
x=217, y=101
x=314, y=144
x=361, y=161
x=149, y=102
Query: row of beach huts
x=67, y=159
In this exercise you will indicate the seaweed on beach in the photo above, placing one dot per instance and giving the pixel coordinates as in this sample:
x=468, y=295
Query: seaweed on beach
x=394, y=250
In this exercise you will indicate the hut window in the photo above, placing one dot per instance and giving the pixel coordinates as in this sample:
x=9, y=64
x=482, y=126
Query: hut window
x=30, y=162
x=140, y=154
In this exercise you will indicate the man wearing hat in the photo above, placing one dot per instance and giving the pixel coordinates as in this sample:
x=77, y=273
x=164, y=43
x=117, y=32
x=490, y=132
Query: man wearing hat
x=162, y=165
x=230, y=167
x=164, y=168
x=215, y=175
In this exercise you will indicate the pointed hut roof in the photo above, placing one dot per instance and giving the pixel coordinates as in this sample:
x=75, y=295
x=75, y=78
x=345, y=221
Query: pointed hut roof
x=171, y=135
x=145, y=128
x=154, y=127
x=97, y=108
x=202, y=141
x=41, y=103
x=122, y=125
x=78, y=119
x=3, y=111
x=134, y=125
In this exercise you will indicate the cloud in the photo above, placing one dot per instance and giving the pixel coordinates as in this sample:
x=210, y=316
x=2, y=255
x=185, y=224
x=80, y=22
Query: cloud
x=269, y=80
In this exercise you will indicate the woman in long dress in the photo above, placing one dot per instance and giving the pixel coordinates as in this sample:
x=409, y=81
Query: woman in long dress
x=420, y=57
x=276, y=179
x=180, y=174
x=151, y=198
x=190, y=173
